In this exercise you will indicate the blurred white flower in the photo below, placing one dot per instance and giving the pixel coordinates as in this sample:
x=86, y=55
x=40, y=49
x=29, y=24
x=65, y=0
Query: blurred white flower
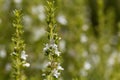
x=8, y=67
x=87, y=65
x=17, y=1
x=24, y=55
x=26, y=65
x=62, y=45
x=40, y=8
x=0, y=21
x=2, y=53
x=27, y=21
x=38, y=33
x=43, y=74
x=40, y=11
x=61, y=19
x=111, y=59
x=85, y=27
x=83, y=38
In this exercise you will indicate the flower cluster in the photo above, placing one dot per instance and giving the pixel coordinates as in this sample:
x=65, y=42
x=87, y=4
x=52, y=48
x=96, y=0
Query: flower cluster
x=51, y=48
x=23, y=57
x=18, y=55
x=54, y=69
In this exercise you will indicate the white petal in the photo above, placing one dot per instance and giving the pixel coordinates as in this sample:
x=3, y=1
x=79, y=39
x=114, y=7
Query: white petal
x=26, y=65
x=23, y=55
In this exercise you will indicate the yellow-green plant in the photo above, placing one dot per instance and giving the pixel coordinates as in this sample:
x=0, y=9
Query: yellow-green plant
x=53, y=68
x=18, y=55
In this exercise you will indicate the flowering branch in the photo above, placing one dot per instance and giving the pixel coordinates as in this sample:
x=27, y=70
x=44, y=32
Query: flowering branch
x=18, y=55
x=53, y=68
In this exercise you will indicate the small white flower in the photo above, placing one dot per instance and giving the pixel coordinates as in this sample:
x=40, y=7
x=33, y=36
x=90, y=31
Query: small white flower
x=60, y=68
x=57, y=52
x=26, y=65
x=54, y=46
x=46, y=47
x=87, y=65
x=43, y=74
x=23, y=55
x=56, y=74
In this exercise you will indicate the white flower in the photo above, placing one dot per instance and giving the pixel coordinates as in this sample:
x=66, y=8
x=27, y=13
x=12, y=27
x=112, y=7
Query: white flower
x=111, y=59
x=87, y=65
x=56, y=74
x=43, y=74
x=26, y=64
x=59, y=67
x=57, y=52
x=54, y=46
x=23, y=55
x=46, y=48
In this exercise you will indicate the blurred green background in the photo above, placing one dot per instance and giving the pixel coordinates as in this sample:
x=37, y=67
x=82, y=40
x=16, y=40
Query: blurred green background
x=90, y=31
